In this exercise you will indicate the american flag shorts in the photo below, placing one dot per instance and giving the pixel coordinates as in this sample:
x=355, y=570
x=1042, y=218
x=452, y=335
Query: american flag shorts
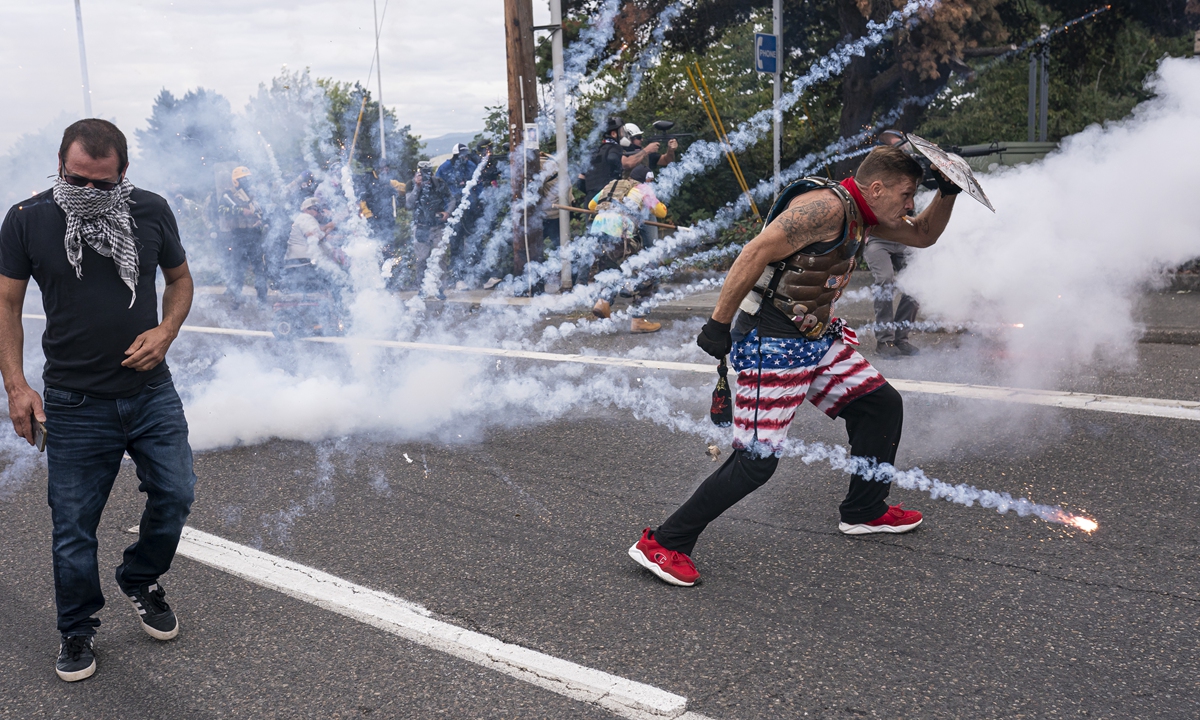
x=776, y=375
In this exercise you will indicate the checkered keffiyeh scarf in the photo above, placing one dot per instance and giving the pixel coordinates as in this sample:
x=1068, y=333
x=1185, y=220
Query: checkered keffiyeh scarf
x=101, y=218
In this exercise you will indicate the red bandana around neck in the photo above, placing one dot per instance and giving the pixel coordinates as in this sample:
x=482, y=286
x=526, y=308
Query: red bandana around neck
x=865, y=209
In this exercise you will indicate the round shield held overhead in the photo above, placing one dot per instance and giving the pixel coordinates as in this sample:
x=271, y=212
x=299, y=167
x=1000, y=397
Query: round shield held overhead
x=953, y=167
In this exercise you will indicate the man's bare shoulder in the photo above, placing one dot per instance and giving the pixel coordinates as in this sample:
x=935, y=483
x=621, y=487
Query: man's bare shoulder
x=811, y=218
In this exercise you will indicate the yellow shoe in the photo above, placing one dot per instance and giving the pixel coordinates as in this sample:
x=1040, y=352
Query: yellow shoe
x=602, y=309
x=641, y=325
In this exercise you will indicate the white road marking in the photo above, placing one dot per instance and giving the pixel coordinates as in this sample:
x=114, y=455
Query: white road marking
x=622, y=697
x=1122, y=404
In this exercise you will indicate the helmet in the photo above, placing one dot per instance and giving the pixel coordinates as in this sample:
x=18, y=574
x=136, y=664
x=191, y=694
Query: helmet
x=628, y=132
x=240, y=172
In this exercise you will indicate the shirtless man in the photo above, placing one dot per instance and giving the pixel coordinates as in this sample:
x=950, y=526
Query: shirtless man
x=787, y=347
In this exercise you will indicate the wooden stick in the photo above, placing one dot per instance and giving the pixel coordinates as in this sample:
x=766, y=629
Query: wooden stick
x=585, y=211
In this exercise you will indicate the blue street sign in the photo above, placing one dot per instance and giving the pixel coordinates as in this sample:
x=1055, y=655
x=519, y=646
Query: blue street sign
x=765, y=55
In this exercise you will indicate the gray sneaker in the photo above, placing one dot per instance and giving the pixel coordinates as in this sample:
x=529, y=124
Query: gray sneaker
x=886, y=349
x=76, y=658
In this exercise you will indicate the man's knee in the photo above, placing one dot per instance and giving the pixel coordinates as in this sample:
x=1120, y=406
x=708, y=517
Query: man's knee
x=756, y=466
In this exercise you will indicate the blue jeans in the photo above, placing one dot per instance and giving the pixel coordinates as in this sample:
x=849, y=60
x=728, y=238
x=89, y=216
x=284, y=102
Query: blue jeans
x=86, y=438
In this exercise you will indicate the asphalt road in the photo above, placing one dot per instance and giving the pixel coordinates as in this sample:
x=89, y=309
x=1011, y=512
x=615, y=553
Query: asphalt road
x=521, y=534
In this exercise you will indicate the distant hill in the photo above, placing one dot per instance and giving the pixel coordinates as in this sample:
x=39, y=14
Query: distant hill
x=443, y=144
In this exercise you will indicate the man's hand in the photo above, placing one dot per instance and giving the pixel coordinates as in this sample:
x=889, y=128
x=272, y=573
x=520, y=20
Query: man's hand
x=444, y=216
x=651, y=148
x=417, y=179
x=714, y=339
x=24, y=405
x=945, y=186
x=148, y=349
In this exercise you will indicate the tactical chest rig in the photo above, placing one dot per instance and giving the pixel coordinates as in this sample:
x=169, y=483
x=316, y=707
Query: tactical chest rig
x=804, y=285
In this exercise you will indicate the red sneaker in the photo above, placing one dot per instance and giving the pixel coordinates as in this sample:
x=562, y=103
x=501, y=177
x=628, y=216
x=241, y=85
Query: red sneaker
x=895, y=520
x=673, y=567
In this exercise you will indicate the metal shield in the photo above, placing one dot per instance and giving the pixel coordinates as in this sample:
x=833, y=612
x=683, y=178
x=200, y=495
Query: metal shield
x=953, y=167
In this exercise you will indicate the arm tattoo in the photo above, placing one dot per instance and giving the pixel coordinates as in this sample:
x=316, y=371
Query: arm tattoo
x=810, y=222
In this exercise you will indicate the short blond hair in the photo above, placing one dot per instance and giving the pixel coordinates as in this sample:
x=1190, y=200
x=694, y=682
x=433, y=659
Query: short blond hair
x=888, y=164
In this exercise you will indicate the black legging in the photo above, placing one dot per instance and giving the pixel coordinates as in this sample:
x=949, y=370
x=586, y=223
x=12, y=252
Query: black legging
x=873, y=423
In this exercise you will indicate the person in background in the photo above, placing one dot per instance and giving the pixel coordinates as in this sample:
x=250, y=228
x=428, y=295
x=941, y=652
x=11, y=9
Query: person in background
x=301, y=273
x=606, y=163
x=427, y=200
x=886, y=259
x=621, y=206
x=635, y=153
x=457, y=172
x=94, y=243
x=242, y=218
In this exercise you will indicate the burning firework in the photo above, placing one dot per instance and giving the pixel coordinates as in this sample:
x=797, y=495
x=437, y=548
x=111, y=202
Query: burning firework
x=1085, y=524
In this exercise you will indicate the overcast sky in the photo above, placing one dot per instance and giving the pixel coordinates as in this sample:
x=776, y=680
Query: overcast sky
x=443, y=60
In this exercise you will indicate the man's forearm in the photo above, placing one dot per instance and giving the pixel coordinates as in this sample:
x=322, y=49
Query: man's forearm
x=746, y=271
x=936, y=216
x=12, y=349
x=631, y=161
x=177, y=303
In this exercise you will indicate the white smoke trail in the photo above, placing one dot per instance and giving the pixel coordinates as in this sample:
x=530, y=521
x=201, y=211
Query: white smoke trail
x=703, y=154
x=433, y=268
x=839, y=458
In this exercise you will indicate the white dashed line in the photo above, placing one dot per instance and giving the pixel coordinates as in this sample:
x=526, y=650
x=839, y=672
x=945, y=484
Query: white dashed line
x=1122, y=404
x=624, y=698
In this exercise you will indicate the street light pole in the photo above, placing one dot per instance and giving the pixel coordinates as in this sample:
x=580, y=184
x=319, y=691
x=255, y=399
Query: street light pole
x=87, y=88
x=778, y=82
x=379, y=77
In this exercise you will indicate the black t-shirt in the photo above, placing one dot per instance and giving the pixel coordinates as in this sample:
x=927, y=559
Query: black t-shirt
x=89, y=324
x=605, y=167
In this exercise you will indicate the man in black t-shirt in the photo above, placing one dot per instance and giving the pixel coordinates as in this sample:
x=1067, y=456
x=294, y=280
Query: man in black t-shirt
x=94, y=243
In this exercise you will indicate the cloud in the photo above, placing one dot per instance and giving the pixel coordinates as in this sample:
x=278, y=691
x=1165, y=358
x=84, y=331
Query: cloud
x=442, y=62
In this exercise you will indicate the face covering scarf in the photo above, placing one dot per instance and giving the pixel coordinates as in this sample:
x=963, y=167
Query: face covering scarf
x=100, y=218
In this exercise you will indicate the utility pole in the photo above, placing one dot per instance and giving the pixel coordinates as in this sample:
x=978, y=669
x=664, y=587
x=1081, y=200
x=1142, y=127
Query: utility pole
x=560, y=136
x=778, y=82
x=522, y=104
x=87, y=88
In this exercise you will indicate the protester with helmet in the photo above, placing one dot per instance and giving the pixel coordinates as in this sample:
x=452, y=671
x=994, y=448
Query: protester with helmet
x=241, y=217
x=621, y=207
x=636, y=154
x=457, y=172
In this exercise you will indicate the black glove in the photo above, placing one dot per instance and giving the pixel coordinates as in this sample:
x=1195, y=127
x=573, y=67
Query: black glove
x=714, y=339
x=945, y=187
